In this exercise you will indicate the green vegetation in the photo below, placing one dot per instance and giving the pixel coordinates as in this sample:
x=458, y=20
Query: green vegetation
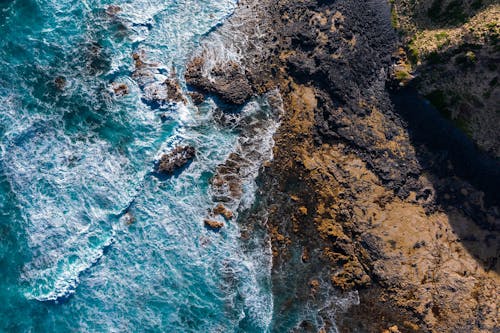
x=413, y=53
x=466, y=60
x=441, y=36
x=402, y=75
x=394, y=18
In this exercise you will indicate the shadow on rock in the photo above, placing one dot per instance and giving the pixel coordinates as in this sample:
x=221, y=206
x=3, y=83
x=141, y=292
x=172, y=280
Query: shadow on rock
x=450, y=156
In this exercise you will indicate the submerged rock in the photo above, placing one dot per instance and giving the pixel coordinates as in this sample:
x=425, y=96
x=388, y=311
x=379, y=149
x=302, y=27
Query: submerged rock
x=60, y=82
x=128, y=219
x=214, y=225
x=176, y=159
x=112, y=10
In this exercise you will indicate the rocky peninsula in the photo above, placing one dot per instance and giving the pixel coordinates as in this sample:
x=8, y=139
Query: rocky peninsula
x=371, y=191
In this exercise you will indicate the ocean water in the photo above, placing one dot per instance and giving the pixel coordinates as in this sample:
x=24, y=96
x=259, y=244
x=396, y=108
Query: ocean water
x=76, y=160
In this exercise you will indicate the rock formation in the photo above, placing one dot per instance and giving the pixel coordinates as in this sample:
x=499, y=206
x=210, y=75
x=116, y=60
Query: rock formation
x=214, y=225
x=176, y=159
x=220, y=209
x=372, y=198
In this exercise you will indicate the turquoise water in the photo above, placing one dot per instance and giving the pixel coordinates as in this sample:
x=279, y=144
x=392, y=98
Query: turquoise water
x=74, y=160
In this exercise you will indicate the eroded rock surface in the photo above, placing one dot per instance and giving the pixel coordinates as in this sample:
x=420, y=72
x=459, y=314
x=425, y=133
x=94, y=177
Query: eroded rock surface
x=228, y=81
x=357, y=196
x=175, y=160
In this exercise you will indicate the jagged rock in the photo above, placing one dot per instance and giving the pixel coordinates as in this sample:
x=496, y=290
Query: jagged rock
x=214, y=225
x=176, y=159
x=120, y=89
x=358, y=164
x=174, y=91
x=228, y=81
x=220, y=209
x=197, y=97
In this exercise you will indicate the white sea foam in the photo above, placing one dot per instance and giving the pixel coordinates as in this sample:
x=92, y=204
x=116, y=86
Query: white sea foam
x=165, y=270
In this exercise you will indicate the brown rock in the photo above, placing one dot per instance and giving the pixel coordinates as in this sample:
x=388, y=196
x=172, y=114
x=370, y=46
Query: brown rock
x=197, y=97
x=220, y=209
x=212, y=224
x=305, y=255
x=229, y=80
x=174, y=91
x=120, y=89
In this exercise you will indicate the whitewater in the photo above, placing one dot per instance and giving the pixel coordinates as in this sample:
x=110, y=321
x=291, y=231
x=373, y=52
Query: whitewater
x=77, y=161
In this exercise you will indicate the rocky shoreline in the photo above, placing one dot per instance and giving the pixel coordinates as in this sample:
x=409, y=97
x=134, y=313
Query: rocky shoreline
x=357, y=199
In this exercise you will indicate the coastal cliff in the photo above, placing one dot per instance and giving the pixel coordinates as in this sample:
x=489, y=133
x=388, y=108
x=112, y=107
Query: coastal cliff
x=371, y=195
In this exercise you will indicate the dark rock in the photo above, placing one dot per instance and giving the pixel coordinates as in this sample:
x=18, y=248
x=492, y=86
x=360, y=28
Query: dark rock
x=229, y=81
x=175, y=160
x=60, y=82
x=197, y=97
x=112, y=10
x=174, y=91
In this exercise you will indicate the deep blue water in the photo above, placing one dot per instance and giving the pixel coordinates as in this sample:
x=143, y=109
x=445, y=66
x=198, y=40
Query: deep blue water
x=73, y=160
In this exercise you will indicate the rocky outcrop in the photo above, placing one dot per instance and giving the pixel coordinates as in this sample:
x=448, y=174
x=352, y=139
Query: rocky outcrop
x=196, y=97
x=214, y=225
x=225, y=65
x=175, y=160
x=158, y=89
x=60, y=82
x=228, y=81
x=361, y=195
x=120, y=89
x=220, y=209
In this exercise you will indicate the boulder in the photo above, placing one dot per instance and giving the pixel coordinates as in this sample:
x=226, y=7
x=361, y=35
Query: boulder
x=220, y=209
x=176, y=159
x=112, y=10
x=214, y=225
x=174, y=91
x=120, y=89
x=60, y=82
